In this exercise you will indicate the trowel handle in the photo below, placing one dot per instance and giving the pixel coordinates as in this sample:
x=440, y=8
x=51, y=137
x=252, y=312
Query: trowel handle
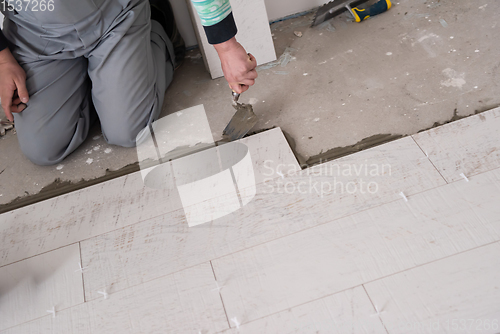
x=378, y=8
x=236, y=97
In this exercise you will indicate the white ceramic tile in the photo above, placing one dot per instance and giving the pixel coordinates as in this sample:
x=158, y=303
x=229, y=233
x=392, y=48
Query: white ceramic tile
x=349, y=311
x=185, y=302
x=166, y=244
x=364, y=179
x=95, y=210
x=360, y=248
x=254, y=33
x=470, y=146
x=459, y=294
x=79, y=215
x=31, y=287
x=270, y=154
x=216, y=182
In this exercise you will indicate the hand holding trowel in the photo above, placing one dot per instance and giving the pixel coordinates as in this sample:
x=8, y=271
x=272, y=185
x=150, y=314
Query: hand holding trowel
x=243, y=120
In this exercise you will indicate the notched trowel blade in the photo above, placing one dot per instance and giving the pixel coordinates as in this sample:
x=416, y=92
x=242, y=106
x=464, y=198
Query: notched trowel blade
x=243, y=121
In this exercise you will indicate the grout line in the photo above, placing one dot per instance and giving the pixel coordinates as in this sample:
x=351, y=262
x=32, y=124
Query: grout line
x=42, y=253
x=236, y=187
x=429, y=159
x=81, y=265
x=435, y=260
x=213, y=270
x=38, y=318
x=220, y=295
x=155, y=143
x=376, y=310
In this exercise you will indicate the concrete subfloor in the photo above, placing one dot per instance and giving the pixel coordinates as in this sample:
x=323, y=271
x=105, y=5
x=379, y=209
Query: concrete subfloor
x=421, y=64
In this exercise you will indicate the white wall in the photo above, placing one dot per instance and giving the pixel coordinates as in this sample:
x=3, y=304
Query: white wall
x=276, y=9
x=183, y=21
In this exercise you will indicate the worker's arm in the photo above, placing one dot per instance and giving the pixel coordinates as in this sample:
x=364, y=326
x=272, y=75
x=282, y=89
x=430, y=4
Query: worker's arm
x=217, y=20
x=13, y=91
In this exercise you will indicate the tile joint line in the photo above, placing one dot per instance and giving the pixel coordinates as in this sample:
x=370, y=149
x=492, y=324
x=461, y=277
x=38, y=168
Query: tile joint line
x=427, y=155
x=375, y=307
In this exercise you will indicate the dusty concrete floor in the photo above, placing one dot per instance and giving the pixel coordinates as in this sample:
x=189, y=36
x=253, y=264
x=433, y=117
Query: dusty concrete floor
x=421, y=63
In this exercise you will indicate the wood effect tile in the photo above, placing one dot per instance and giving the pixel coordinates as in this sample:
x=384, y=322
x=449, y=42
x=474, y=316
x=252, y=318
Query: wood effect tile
x=349, y=311
x=79, y=215
x=470, y=146
x=184, y=302
x=166, y=244
x=365, y=246
x=120, y=202
x=458, y=294
x=31, y=287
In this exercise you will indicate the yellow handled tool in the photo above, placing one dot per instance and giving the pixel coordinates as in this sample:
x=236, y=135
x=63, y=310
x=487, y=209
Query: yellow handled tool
x=336, y=7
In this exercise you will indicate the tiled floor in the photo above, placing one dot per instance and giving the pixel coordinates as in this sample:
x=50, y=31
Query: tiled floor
x=401, y=238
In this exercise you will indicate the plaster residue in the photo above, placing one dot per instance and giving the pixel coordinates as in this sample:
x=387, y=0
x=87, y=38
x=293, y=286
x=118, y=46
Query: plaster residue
x=455, y=79
x=428, y=42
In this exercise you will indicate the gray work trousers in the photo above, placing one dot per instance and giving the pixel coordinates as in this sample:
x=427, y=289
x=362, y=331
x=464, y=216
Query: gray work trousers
x=106, y=54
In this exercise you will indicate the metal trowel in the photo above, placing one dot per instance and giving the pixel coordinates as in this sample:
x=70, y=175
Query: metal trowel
x=243, y=120
x=335, y=7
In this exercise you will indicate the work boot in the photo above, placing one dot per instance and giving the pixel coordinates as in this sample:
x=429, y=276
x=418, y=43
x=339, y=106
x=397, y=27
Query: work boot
x=161, y=11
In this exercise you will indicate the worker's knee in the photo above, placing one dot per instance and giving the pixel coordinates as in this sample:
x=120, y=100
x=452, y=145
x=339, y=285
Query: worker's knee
x=42, y=152
x=48, y=140
x=122, y=135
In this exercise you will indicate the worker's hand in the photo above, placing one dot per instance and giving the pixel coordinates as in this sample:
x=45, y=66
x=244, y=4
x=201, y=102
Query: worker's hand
x=238, y=65
x=13, y=92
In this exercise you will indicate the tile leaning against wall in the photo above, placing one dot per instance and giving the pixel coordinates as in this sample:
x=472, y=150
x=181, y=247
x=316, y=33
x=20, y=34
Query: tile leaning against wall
x=254, y=34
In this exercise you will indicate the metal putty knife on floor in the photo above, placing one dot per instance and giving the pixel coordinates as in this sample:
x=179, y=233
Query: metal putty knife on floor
x=243, y=120
x=336, y=7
